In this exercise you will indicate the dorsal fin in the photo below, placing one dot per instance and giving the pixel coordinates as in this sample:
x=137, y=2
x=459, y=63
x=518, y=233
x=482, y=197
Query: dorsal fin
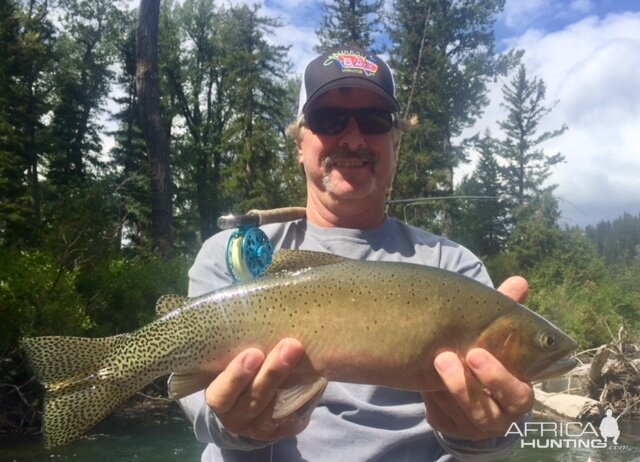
x=294, y=260
x=168, y=303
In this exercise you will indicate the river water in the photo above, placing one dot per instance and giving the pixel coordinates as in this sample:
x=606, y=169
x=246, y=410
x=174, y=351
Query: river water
x=115, y=441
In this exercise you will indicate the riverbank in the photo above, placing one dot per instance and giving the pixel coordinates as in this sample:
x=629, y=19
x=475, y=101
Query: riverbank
x=608, y=378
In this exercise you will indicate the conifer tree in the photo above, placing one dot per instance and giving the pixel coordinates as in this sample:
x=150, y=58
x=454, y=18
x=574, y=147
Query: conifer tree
x=14, y=207
x=527, y=165
x=228, y=85
x=26, y=59
x=480, y=220
x=129, y=155
x=255, y=135
x=444, y=57
x=353, y=22
x=86, y=50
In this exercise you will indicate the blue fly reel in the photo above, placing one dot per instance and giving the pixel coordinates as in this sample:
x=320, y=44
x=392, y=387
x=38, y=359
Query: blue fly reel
x=249, y=253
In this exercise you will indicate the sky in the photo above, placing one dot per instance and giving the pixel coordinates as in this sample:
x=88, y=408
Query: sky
x=588, y=54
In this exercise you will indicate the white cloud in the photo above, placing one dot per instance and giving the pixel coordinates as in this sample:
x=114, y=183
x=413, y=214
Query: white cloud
x=590, y=68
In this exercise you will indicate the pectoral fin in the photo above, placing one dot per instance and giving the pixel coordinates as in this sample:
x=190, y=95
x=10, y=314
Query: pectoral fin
x=301, y=396
x=183, y=384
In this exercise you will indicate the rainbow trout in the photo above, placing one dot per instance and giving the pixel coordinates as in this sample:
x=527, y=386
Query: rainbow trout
x=376, y=323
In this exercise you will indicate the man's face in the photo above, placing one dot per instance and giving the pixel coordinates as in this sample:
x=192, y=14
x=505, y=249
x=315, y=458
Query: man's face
x=350, y=165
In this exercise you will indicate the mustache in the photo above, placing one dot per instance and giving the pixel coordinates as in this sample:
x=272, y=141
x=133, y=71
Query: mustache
x=345, y=153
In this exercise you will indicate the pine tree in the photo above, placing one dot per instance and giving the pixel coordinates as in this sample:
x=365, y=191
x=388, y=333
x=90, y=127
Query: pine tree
x=444, y=57
x=255, y=133
x=480, y=221
x=86, y=50
x=26, y=61
x=527, y=165
x=192, y=56
x=228, y=85
x=536, y=233
x=129, y=155
x=352, y=22
x=618, y=241
x=14, y=205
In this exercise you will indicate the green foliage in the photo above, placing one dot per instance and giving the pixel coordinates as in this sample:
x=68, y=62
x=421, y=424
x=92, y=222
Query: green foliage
x=129, y=155
x=75, y=220
x=536, y=233
x=38, y=297
x=354, y=22
x=479, y=223
x=617, y=241
x=228, y=85
x=121, y=293
x=573, y=288
x=25, y=62
x=570, y=283
x=86, y=51
x=527, y=166
x=444, y=57
x=251, y=179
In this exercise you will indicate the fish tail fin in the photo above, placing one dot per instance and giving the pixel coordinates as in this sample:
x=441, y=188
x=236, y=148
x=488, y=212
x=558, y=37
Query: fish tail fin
x=78, y=389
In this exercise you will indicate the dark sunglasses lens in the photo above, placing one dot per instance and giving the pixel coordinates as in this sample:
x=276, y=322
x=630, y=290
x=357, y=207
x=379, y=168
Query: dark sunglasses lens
x=327, y=121
x=374, y=121
x=331, y=121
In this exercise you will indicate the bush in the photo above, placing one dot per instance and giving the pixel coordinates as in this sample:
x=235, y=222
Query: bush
x=37, y=297
x=122, y=292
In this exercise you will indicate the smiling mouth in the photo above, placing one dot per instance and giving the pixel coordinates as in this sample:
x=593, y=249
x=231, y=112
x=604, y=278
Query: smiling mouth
x=348, y=163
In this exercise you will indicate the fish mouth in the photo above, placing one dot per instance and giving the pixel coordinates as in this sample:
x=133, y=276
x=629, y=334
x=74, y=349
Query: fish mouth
x=554, y=369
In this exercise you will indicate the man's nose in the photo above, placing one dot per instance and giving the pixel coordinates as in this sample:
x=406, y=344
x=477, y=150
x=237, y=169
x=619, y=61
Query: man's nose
x=351, y=137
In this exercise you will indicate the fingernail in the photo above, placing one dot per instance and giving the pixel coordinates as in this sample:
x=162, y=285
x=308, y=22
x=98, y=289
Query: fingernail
x=477, y=360
x=252, y=363
x=289, y=355
x=445, y=363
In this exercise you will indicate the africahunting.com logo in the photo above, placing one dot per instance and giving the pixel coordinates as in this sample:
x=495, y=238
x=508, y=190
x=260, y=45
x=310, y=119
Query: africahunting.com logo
x=569, y=435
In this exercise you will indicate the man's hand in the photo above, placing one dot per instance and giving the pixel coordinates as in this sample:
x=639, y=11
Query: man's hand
x=463, y=412
x=243, y=395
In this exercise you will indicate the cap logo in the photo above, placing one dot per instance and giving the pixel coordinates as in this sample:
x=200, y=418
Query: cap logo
x=349, y=61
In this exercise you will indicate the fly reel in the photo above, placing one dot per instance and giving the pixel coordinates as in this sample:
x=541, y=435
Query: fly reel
x=249, y=252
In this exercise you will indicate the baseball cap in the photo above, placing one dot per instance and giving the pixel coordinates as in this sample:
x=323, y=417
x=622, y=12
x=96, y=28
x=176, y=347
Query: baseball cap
x=347, y=66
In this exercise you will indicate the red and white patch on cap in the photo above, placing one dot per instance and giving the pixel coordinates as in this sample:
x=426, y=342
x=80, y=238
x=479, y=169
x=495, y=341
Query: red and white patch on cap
x=352, y=62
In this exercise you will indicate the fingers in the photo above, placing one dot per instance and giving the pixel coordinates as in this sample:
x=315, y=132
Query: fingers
x=243, y=395
x=224, y=391
x=481, y=401
x=515, y=287
x=513, y=396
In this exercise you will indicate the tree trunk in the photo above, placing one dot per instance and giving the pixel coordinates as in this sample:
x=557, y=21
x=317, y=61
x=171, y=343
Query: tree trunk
x=156, y=136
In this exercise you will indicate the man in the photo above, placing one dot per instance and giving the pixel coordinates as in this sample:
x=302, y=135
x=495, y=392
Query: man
x=346, y=134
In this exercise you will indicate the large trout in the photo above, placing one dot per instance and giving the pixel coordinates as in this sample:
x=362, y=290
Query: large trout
x=377, y=323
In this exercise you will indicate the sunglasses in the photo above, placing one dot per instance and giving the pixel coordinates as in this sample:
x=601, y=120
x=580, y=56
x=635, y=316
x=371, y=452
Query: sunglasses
x=333, y=120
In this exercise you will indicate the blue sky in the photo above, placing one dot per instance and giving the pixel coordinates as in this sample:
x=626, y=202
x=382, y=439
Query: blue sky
x=588, y=54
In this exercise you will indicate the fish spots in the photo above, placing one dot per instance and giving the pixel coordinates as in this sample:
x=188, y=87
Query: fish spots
x=365, y=306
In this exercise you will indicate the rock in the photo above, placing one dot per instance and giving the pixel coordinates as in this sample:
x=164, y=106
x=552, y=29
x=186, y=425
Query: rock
x=566, y=406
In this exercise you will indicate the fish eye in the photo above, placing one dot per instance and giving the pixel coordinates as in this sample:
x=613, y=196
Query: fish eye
x=546, y=340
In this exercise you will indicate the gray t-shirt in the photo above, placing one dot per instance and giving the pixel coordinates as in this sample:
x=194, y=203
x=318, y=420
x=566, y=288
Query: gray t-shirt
x=352, y=422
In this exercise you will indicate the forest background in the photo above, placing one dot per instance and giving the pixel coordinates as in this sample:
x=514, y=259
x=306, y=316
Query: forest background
x=86, y=249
